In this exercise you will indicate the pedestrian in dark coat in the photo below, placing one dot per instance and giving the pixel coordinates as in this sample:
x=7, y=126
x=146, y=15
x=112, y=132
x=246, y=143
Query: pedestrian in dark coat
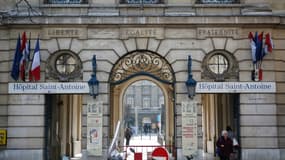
x=224, y=146
x=128, y=135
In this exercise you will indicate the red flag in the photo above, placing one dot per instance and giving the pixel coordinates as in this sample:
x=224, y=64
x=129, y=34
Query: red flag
x=35, y=72
x=23, y=59
x=260, y=74
x=268, y=44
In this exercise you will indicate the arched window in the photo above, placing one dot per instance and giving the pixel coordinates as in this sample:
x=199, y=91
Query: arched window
x=220, y=65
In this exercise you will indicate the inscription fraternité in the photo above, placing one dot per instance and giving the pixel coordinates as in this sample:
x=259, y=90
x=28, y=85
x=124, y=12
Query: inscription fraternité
x=218, y=32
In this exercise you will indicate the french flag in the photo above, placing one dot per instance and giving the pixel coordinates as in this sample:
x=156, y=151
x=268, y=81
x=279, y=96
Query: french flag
x=253, y=46
x=268, y=45
x=35, y=72
x=24, y=51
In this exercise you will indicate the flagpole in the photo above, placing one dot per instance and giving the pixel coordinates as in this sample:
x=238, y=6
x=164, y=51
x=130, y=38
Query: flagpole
x=28, y=65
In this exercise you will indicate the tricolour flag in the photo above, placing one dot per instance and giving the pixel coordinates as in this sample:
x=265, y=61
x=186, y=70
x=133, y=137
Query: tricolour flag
x=16, y=61
x=24, y=52
x=35, y=72
x=253, y=47
x=268, y=45
x=259, y=49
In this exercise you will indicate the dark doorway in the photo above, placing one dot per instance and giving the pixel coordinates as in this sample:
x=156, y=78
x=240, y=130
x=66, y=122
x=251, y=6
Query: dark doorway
x=218, y=112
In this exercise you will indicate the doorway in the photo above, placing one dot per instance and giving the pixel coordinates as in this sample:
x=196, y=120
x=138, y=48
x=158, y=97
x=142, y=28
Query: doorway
x=218, y=112
x=63, y=126
x=121, y=111
x=144, y=113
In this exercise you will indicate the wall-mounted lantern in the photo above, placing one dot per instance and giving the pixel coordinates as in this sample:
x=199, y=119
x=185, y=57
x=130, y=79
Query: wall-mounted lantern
x=190, y=83
x=93, y=83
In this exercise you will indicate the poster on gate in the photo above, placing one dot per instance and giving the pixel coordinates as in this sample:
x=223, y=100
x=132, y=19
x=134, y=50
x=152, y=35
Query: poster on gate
x=94, y=128
x=189, y=128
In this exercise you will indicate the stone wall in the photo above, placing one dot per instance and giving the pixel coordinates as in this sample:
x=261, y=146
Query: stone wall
x=262, y=115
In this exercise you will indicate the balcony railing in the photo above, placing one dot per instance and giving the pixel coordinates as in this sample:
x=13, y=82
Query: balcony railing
x=140, y=1
x=66, y=1
x=217, y=1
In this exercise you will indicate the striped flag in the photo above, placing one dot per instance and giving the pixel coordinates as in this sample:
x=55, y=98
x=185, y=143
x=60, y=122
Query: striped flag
x=253, y=47
x=35, y=72
x=268, y=45
x=25, y=52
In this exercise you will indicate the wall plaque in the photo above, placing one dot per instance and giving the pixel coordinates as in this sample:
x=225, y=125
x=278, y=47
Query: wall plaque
x=126, y=33
x=218, y=32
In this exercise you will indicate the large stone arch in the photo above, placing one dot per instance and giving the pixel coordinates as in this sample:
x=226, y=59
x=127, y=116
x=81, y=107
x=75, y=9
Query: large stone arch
x=136, y=66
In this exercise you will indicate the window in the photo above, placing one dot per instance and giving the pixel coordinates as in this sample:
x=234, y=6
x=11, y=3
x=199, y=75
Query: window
x=66, y=1
x=218, y=64
x=146, y=102
x=64, y=65
x=140, y=1
x=217, y=1
x=161, y=101
x=130, y=101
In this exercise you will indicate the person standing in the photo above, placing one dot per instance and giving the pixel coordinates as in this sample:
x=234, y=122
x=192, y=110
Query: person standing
x=128, y=135
x=224, y=146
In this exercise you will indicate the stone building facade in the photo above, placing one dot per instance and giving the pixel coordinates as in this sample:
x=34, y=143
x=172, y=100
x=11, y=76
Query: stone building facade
x=166, y=31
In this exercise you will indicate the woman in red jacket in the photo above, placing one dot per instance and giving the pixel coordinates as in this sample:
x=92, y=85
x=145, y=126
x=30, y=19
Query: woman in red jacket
x=224, y=146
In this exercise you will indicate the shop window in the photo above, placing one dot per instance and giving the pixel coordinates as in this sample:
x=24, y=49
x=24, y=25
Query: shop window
x=66, y=1
x=140, y=1
x=220, y=65
x=64, y=65
x=217, y=1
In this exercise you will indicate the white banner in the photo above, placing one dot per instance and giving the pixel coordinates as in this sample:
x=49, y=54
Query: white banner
x=236, y=87
x=94, y=128
x=48, y=88
x=189, y=128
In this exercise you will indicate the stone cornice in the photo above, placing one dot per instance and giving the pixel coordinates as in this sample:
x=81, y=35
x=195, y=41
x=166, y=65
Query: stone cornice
x=149, y=20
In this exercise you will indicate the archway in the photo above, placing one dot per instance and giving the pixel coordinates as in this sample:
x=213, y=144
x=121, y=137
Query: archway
x=137, y=66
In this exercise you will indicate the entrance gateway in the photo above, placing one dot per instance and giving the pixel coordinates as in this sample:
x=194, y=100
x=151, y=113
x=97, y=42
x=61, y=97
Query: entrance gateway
x=208, y=89
x=136, y=66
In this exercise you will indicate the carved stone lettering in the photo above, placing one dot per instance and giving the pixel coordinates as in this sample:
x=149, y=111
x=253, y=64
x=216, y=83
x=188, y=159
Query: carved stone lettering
x=64, y=32
x=126, y=33
x=218, y=32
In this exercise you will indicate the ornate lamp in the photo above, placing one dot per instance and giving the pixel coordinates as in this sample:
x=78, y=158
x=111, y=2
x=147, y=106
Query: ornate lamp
x=190, y=83
x=93, y=83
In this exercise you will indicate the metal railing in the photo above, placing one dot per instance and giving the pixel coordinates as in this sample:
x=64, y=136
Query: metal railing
x=217, y=1
x=141, y=1
x=66, y=1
